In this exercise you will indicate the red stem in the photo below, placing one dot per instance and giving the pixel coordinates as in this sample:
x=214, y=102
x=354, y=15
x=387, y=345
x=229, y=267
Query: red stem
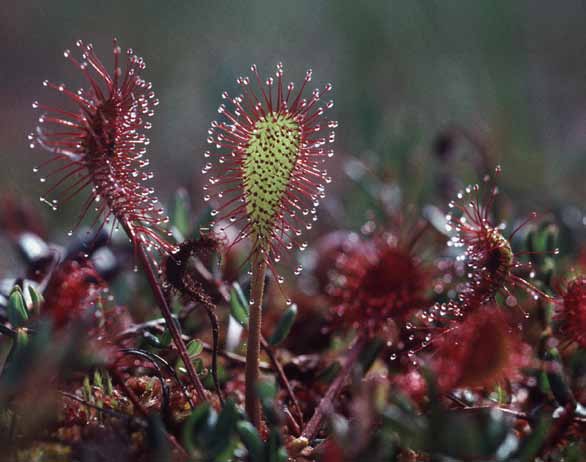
x=166, y=312
x=327, y=402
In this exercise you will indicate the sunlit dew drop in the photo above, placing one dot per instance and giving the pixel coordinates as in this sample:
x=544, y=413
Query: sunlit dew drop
x=70, y=233
x=393, y=357
x=251, y=302
x=135, y=269
x=289, y=302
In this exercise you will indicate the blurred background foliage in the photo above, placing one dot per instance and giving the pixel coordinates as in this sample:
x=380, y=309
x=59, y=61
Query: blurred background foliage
x=403, y=70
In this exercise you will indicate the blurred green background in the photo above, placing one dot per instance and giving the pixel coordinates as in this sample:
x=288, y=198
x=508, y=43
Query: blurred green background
x=513, y=72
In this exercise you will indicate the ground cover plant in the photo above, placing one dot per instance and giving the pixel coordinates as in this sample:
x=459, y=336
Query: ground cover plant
x=213, y=328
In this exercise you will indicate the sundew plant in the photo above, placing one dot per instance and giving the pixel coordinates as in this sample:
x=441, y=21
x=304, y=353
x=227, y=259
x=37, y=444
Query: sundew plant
x=447, y=323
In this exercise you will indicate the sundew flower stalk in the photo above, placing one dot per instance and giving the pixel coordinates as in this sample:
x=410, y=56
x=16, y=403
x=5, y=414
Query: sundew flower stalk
x=100, y=146
x=268, y=173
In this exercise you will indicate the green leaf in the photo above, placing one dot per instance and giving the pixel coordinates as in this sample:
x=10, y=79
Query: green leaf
x=197, y=364
x=551, y=233
x=369, y=354
x=198, y=426
x=239, y=305
x=87, y=389
x=109, y=387
x=98, y=379
x=165, y=339
x=221, y=439
x=284, y=325
x=180, y=218
x=153, y=340
x=194, y=348
x=202, y=221
x=36, y=299
x=467, y=435
x=16, y=310
x=267, y=391
x=531, y=445
x=274, y=448
x=21, y=341
x=328, y=374
x=156, y=439
x=251, y=440
x=557, y=381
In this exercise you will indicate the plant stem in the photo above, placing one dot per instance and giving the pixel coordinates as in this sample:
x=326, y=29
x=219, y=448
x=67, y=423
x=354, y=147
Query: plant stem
x=284, y=381
x=173, y=329
x=326, y=404
x=252, y=403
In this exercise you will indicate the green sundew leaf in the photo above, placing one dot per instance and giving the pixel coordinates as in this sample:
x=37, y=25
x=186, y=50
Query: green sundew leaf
x=16, y=309
x=251, y=440
x=239, y=305
x=180, y=218
x=284, y=325
x=270, y=159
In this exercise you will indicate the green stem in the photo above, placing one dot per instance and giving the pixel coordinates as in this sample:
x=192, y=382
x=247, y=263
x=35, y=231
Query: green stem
x=252, y=403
